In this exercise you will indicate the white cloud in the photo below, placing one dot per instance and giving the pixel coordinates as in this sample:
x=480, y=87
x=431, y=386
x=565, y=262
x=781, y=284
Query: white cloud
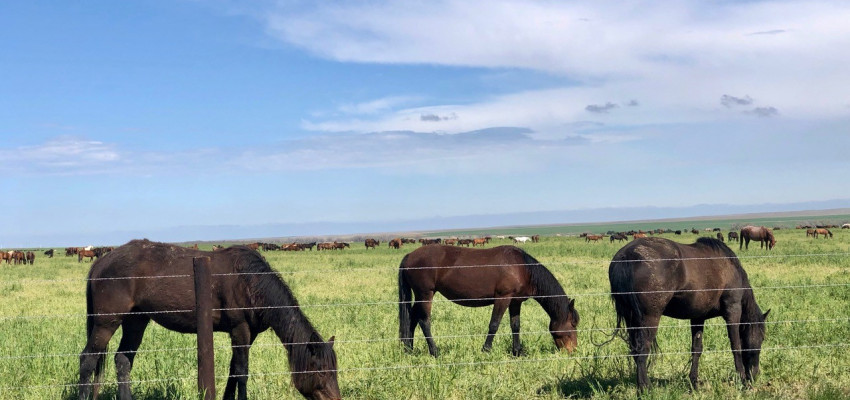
x=677, y=58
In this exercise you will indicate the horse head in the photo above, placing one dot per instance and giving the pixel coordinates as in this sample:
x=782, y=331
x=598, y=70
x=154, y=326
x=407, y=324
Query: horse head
x=752, y=336
x=317, y=377
x=563, y=329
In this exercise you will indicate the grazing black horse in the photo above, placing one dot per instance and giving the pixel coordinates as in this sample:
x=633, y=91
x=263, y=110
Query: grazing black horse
x=49, y=253
x=248, y=298
x=733, y=236
x=504, y=276
x=654, y=276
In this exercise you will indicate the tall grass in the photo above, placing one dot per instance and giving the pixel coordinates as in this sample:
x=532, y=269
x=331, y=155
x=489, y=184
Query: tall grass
x=42, y=329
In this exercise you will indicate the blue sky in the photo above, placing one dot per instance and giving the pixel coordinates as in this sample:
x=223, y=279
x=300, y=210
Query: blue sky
x=149, y=115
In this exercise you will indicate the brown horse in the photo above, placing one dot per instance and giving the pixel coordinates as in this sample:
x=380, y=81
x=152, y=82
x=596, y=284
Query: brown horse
x=248, y=299
x=85, y=253
x=371, y=243
x=594, y=238
x=810, y=232
x=732, y=236
x=479, y=242
x=638, y=236
x=504, y=276
x=758, y=233
x=654, y=276
x=823, y=231
x=395, y=243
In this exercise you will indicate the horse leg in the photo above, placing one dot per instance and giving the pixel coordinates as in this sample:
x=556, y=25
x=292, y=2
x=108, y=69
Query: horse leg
x=91, y=359
x=732, y=316
x=516, y=348
x=241, y=339
x=696, y=349
x=132, y=330
x=499, y=308
x=422, y=312
x=641, y=340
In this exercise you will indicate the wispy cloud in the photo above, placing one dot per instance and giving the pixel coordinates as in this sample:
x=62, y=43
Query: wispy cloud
x=378, y=105
x=601, y=108
x=61, y=155
x=770, y=32
x=730, y=101
x=764, y=112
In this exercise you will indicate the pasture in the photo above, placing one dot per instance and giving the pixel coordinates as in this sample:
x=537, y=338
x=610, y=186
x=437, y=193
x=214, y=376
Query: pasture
x=352, y=294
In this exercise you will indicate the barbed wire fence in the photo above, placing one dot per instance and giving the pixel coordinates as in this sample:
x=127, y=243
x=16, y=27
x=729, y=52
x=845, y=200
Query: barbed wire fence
x=380, y=340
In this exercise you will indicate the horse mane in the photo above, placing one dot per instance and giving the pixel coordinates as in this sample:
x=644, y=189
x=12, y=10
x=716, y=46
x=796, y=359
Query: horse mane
x=279, y=309
x=750, y=311
x=553, y=298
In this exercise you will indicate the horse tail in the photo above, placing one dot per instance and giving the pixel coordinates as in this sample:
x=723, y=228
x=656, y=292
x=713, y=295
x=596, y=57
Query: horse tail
x=405, y=297
x=101, y=358
x=626, y=302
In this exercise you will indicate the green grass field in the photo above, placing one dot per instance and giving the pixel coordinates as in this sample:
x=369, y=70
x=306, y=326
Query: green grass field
x=351, y=294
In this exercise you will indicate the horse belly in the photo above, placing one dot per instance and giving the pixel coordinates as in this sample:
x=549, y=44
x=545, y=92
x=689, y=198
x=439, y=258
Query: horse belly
x=689, y=308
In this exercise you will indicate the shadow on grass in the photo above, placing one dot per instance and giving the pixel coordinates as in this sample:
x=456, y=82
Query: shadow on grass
x=166, y=391
x=590, y=385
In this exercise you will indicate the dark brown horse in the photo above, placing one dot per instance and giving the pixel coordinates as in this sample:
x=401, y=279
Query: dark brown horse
x=371, y=243
x=248, y=298
x=757, y=233
x=395, y=243
x=654, y=276
x=503, y=276
x=732, y=236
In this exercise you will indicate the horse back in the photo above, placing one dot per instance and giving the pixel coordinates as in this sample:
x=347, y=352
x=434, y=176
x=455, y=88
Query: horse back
x=158, y=278
x=678, y=280
x=478, y=273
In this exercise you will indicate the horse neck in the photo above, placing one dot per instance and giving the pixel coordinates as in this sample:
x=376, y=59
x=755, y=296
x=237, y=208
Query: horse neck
x=280, y=311
x=548, y=292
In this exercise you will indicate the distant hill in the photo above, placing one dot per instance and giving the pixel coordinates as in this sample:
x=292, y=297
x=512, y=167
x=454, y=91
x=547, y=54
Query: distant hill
x=563, y=221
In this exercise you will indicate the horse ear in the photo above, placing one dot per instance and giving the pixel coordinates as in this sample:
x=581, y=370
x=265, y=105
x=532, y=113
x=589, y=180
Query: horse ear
x=331, y=340
x=572, y=304
x=765, y=314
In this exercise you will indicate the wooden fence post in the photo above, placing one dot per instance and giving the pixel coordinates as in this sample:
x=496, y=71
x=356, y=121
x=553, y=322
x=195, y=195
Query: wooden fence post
x=203, y=311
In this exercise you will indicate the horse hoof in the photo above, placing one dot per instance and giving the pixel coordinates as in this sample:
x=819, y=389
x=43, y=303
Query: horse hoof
x=486, y=349
x=518, y=353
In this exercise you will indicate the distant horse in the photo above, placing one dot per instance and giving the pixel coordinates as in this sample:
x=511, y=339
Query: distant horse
x=810, y=232
x=30, y=258
x=720, y=236
x=619, y=237
x=521, y=239
x=464, y=242
x=450, y=241
x=823, y=231
x=395, y=243
x=6, y=255
x=655, y=276
x=594, y=238
x=678, y=232
x=81, y=254
x=637, y=236
x=504, y=276
x=732, y=236
x=248, y=298
x=759, y=233
x=535, y=238
x=19, y=257
x=49, y=253
x=479, y=242
x=371, y=243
